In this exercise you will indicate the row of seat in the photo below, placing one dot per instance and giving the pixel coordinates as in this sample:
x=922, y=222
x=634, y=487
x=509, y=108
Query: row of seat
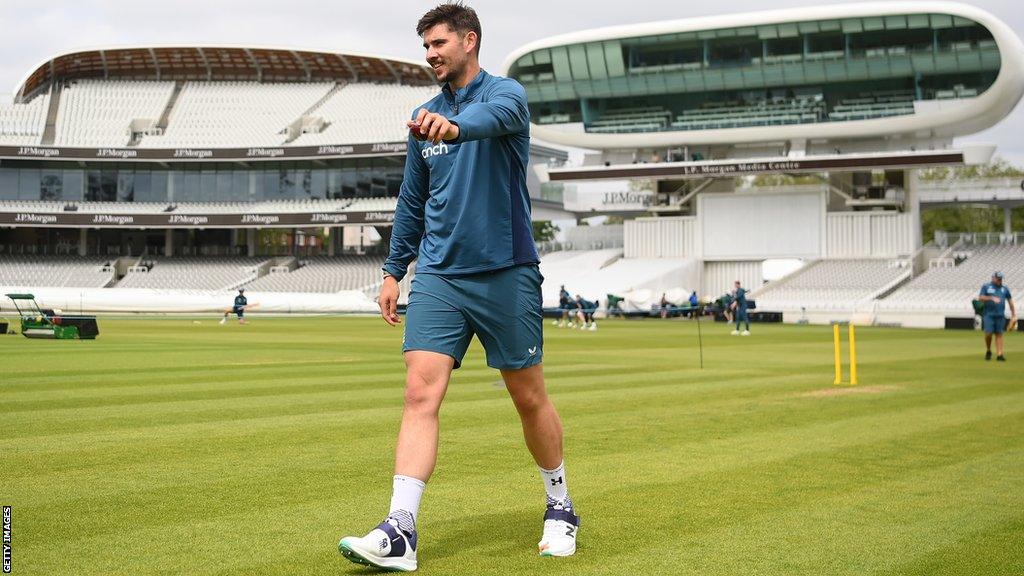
x=100, y=112
x=832, y=284
x=24, y=123
x=192, y=273
x=55, y=271
x=324, y=274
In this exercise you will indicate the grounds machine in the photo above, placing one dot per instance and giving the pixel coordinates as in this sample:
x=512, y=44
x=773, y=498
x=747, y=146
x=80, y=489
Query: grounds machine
x=45, y=323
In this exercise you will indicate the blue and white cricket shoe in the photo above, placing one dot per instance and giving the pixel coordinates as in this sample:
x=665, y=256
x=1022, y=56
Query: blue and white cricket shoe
x=560, y=529
x=386, y=546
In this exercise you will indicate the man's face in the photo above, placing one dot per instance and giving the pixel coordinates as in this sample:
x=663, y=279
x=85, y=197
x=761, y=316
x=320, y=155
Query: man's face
x=447, y=52
x=997, y=280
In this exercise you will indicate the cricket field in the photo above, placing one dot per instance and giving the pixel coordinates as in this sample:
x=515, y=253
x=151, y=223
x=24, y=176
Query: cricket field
x=180, y=446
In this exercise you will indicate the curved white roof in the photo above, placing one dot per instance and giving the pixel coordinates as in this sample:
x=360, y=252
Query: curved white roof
x=966, y=117
x=20, y=87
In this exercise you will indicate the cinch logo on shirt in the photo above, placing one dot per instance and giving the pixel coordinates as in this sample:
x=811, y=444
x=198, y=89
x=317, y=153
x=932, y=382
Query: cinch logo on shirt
x=437, y=150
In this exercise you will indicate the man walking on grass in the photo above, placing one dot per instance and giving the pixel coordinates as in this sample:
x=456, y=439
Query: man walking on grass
x=994, y=297
x=464, y=212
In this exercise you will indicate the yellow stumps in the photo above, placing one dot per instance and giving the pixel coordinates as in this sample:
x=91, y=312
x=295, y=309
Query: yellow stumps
x=853, y=356
x=837, y=339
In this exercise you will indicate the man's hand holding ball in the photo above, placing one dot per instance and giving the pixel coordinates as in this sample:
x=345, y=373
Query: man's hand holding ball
x=432, y=127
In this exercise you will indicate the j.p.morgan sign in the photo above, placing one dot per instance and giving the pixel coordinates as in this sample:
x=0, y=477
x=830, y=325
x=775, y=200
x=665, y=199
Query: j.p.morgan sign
x=203, y=154
x=729, y=168
x=252, y=220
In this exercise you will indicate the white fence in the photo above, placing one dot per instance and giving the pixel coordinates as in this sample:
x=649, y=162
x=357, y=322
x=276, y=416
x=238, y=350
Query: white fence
x=673, y=237
x=869, y=234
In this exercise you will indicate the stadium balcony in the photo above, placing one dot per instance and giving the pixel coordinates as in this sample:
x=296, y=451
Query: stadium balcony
x=214, y=97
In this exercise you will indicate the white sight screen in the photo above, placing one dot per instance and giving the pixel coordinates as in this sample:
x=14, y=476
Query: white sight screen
x=759, y=226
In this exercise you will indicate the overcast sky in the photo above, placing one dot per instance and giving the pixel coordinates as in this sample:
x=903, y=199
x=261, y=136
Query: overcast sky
x=32, y=30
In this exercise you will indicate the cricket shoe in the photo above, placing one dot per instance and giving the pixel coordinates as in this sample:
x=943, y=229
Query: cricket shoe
x=386, y=547
x=223, y=320
x=745, y=333
x=735, y=333
x=560, y=529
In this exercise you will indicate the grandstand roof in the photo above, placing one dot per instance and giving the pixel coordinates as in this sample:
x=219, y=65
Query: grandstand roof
x=222, y=62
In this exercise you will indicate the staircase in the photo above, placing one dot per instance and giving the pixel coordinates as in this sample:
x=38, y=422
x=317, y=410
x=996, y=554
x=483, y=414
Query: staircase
x=294, y=129
x=50, y=132
x=165, y=116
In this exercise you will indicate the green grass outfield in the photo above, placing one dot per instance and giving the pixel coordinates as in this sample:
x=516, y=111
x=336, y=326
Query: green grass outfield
x=173, y=447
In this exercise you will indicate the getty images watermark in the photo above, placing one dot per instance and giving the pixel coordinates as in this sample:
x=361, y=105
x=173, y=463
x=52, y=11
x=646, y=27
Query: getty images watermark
x=7, y=539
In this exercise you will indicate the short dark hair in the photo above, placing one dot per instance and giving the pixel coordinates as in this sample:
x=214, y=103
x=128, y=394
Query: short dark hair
x=459, y=17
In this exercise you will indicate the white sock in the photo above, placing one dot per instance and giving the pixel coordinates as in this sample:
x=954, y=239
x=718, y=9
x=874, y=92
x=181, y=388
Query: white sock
x=555, y=486
x=405, y=501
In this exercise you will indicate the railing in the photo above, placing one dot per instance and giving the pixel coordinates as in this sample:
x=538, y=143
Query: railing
x=944, y=239
x=958, y=184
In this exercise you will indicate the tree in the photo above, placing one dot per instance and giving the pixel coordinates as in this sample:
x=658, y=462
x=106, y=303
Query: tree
x=544, y=231
x=969, y=218
x=786, y=179
x=997, y=168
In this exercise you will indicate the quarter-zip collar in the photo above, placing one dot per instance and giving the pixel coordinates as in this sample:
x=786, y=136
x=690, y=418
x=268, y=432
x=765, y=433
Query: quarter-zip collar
x=466, y=93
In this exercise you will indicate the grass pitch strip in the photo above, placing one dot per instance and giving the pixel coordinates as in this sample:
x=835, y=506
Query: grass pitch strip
x=174, y=447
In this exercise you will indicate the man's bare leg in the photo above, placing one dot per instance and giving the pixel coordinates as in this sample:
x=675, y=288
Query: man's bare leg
x=542, y=427
x=392, y=544
x=542, y=430
x=426, y=381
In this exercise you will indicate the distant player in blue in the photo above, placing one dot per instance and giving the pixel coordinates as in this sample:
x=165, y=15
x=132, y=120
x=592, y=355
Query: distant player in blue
x=739, y=306
x=565, y=304
x=995, y=297
x=241, y=302
x=585, y=312
x=464, y=214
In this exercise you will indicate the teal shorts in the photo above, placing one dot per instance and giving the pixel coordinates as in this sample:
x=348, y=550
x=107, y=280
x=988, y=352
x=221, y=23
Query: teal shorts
x=503, y=308
x=992, y=324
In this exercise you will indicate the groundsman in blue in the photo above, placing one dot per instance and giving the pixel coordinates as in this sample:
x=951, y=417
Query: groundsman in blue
x=464, y=215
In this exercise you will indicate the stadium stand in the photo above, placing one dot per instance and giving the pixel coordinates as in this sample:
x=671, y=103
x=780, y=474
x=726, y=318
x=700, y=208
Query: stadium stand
x=102, y=112
x=950, y=289
x=324, y=274
x=371, y=204
x=271, y=206
x=188, y=273
x=23, y=124
x=55, y=271
x=227, y=114
x=832, y=285
x=867, y=106
x=363, y=112
x=797, y=110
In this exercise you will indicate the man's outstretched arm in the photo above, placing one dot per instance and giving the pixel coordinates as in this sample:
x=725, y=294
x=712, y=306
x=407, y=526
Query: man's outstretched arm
x=505, y=112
